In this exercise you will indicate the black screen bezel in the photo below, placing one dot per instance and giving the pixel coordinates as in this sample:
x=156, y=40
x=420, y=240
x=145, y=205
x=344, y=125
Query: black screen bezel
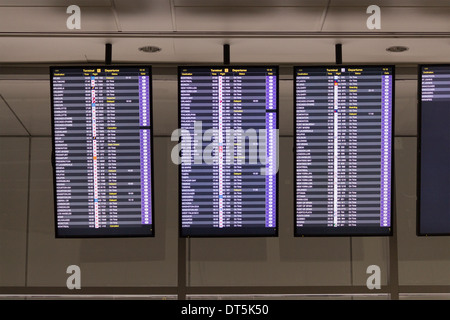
x=379, y=232
x=58, y=235
x=180, y=213
x=419, y=231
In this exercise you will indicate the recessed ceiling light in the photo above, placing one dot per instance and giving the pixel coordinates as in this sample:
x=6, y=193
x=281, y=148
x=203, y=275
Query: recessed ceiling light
x=150, y=49
x=397, y=49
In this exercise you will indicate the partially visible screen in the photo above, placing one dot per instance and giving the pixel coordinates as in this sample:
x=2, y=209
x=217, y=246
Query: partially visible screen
x=102, y=143
x=228, y=173
x=343, y=150
x=434, y=152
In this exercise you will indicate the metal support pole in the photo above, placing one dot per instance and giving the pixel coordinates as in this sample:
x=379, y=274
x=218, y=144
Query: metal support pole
x=226, y=54
x=338, y=53
x=108, y=53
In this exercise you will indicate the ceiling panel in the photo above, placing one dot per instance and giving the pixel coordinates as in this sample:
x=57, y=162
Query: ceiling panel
x=9, y=124
x=393, y=19
x=283, y=50
x=390, y=3
x=54, y=19
x=248, y=18
x=55, y=3
x=312, y=51
x=249, y=3
x=256, y=50
x=141, y=15
x=202, y=50
x=66, y=49
x=43, y=49
x=210, y=50
x=127, y=49
x=373, y=50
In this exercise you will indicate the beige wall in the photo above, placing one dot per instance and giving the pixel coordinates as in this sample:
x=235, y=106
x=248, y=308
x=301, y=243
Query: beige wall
x=31, y=256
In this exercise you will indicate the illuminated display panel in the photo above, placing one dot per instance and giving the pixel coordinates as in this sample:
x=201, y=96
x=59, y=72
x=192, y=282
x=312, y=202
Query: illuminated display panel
x=343, y=150
x=433, y=207
x=228, y=118
x=102, y=145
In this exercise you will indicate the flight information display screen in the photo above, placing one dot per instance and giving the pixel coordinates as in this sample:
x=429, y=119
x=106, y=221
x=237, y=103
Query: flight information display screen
x=343, y=150
x=433, y=175
x=228, y=120
x=102, y=149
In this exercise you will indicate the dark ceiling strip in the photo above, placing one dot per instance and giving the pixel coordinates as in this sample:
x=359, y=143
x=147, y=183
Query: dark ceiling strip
x=220, y=34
